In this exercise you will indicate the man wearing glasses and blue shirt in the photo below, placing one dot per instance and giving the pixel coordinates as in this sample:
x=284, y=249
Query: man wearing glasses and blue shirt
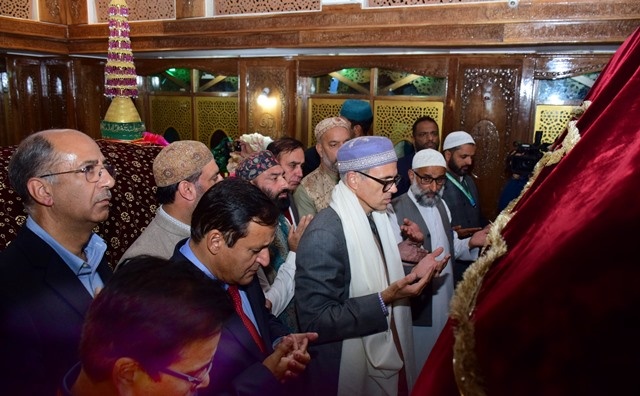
x=423, y=204
x=51, y=271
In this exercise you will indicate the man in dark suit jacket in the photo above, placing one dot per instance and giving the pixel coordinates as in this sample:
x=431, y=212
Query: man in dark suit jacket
x=460, y=191
x=231, y=230
x=50, y=272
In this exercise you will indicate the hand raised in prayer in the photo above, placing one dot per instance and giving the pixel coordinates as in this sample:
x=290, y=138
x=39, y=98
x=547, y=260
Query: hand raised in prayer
x=410, y=252
x=411, y=231
x=413, y=284
x=296, y=233
x=290, y=356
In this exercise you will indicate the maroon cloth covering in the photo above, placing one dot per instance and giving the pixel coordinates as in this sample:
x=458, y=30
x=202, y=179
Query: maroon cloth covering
x=558, y=313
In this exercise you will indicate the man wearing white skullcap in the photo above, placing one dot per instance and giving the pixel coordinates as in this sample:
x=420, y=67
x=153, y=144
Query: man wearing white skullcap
x=460, y=191
x=423, y=204
x=350, y=283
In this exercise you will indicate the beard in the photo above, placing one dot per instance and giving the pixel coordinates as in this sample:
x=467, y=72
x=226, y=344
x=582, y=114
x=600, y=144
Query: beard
x=282, y=203
x=333, y=167
x=460, y=171
x=422, y=197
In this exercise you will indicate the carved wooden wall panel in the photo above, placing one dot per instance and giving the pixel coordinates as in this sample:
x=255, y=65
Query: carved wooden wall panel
x=52, y=11
x=27, y=105
x=552, y=121
x=140, y=10
x=58, y=106
x=90, y=103
x=214, y=113
x=394, y=118
x=278, y=77
x=487, y=107
x=239, y=7
x=6, y=126
x=190, y=8
x=171, y=112
x=432, y=65
x=16, y=8
x=559, y=66
x=319, y=109
x=397, y=3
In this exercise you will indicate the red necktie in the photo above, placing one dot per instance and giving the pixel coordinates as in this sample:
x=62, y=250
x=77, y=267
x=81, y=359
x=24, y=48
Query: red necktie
x=287, y=214
x=237, y=304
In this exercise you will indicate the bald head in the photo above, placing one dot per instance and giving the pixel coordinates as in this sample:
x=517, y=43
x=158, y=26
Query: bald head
x=38, y=153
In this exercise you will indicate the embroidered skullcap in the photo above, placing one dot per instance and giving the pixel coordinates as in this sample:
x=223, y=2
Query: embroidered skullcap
x=253, y=166
x=457, y=138
x=356, y=110
x=428, y=157
x=330, y=123
x=365, y=152
x=179, y=160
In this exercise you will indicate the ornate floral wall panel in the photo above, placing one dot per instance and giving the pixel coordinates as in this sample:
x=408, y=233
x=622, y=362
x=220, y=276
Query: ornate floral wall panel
x=391, y=118
x=394, y=118
x=16, y=8
x=213, y=113
x=140, y=10
x=488, y=101
x=236, y=7
x=171, y=112
x=552, y=120
x=319, y=109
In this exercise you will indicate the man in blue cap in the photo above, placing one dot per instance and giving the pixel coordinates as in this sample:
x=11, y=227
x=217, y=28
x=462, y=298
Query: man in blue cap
x=350, y=283
x=359, y=114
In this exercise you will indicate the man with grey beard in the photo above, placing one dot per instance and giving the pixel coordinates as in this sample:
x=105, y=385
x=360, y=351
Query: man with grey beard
x=423, y=205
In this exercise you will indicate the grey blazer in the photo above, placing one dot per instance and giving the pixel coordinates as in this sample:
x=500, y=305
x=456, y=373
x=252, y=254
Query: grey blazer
x=322, y=299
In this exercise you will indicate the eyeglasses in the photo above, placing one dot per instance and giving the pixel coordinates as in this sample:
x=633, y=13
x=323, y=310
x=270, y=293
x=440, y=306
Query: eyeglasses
x=386, y=184
x=426, y=180
x=91, y=172
x=195, y=379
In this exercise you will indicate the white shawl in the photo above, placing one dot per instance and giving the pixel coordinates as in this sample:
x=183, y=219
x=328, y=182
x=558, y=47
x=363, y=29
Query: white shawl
x=370, y=365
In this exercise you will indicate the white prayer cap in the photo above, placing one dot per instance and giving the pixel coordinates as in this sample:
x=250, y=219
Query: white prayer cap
x=457, y=138
x=428, y=157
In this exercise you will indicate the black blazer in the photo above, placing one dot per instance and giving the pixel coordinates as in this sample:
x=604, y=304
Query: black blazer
x=237, y=363
x=42, y=308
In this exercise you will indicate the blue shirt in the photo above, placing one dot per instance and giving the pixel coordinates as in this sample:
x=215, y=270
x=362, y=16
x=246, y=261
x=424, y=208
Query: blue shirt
x=246, y=307
x=86, y=271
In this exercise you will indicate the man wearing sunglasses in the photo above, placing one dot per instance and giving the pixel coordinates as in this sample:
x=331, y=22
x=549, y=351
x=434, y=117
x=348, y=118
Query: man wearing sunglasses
x=51, y=271
x=350, y=285
x=423, y=205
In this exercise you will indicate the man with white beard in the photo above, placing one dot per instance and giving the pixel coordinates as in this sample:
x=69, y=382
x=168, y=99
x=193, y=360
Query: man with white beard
x=423, y=205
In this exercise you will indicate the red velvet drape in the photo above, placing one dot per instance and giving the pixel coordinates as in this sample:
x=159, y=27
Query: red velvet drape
x=558, y=313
